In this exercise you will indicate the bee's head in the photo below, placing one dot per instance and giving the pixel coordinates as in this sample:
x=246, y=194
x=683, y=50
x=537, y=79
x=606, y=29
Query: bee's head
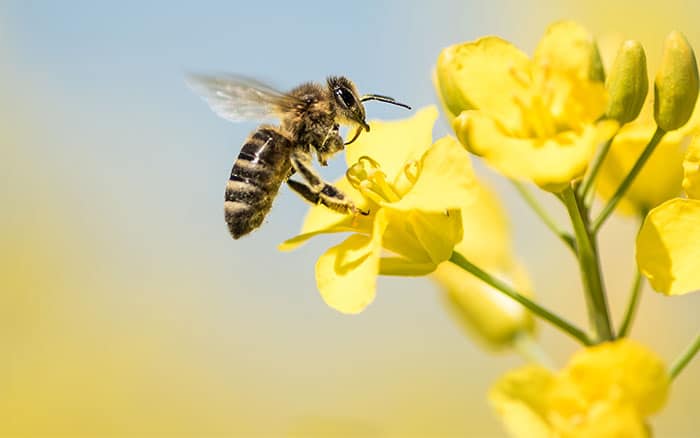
x=347, y=101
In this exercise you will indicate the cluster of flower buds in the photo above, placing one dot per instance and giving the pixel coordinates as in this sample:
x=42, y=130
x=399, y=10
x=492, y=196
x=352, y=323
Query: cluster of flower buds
x=675, y=85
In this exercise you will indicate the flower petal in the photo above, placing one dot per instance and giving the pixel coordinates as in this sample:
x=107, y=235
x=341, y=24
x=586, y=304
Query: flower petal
x=486, y=237
x=300, y=239
x=393, y=144
x=422, y=237
x=346, y=274
x=550, y=163
x=667, y=247
x=446, y=180
x=568, y=47
x=605, y=390
x=521, y=399
x=481, y=75
x=659, y=179
x=404, y=267
x=691, y=169
x=624, y=370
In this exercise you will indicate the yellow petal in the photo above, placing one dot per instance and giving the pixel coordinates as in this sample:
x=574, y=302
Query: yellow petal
x=569, y=47
x=623, y=370
x=404, y=267
x=346, y=274
x=691, y=169
x=659, y=179
x=446, y=180
x=521, y=399
x=298, y=240
x=551, y=163
x=482, y=75
x=668, y=253
x=488, y=316
x=486, y=235
x=606, y=419
x=605, y=390
x=422, y=237
x=393, y=144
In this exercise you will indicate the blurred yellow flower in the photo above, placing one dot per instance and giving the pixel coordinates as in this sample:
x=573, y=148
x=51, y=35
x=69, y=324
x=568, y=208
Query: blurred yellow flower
x=530, y=119
x=668, y=253
x=691, y=170
x=413, y=189
x=489, y=316
x=660, y=178
x=606, y=390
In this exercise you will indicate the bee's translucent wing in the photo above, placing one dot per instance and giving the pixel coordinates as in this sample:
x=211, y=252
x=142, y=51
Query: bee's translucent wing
x=238, y=98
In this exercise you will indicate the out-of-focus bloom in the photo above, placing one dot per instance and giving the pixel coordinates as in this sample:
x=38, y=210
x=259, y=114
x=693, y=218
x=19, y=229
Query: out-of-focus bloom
x=413, y=189
x=489, y=316
x=605, y=391
x=676, y=83
x=691, y=170
x=660, y=178
x=533, y=119
x=627, y=83
x=667, y=245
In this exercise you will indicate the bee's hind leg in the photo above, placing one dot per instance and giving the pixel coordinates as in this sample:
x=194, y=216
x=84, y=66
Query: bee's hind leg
x=317, y=191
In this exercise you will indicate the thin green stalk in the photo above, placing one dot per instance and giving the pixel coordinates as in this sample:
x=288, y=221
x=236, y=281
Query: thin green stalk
x=683, y=360
x=588, y=181
x=629, y=179
x=567, y=238
x=459, y=260
x=631, y=305
x=589, y=265
x=531, y=350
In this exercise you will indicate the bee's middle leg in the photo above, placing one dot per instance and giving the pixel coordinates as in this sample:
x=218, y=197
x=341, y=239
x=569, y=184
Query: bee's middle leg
x=317, y=191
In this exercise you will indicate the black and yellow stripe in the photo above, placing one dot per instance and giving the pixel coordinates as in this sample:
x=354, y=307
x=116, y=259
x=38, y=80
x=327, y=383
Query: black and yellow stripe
x=262, y=165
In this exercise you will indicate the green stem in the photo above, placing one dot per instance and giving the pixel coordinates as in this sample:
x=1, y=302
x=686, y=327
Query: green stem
x=531, y=350
x=629, y=179
x=631, y=305
x=588, y=181
x=589, y=265
x=548, y=221
x=683, y=360
x=459, y=260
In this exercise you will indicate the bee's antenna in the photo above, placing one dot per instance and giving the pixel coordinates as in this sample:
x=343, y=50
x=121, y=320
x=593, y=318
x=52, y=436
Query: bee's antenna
x=385, y=99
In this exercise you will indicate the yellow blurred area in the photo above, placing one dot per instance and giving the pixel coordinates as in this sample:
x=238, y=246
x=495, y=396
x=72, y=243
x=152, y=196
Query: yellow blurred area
x=125, y=311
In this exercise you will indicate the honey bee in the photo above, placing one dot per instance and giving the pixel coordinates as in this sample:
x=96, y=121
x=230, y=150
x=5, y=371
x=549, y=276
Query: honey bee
x=310, y=117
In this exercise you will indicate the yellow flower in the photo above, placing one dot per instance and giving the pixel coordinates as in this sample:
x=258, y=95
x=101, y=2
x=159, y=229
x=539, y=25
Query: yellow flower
x=489, y=316
x=605, y=391
x=530, y=119
x=668, y=253
x=413, y=189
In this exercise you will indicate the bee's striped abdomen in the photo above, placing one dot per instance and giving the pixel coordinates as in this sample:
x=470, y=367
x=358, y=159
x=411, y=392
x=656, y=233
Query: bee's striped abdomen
x=257, y=174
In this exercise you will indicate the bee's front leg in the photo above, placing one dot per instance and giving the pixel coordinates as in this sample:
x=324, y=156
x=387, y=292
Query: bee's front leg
x=317, y=191
x=332, y=144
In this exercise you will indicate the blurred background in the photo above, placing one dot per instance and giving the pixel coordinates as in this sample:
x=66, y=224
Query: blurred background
x=127, y=310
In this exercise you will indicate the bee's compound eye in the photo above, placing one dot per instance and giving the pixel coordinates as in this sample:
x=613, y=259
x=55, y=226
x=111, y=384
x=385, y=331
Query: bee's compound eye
x=345, y=96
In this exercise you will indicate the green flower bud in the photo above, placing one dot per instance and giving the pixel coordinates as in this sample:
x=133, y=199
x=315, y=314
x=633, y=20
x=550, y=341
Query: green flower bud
x=627, y=83
x=676, y=83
